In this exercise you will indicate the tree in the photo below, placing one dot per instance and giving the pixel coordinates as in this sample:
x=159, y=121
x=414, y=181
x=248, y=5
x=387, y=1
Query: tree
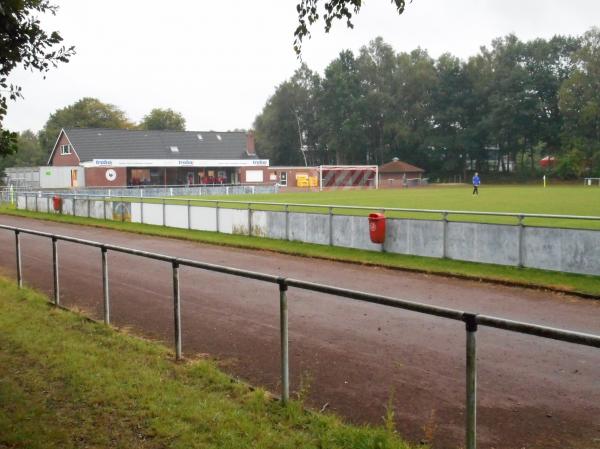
x=411, y=118
x=377, y=64
x=477, y=132
x=163, y=119
x=580, y=101
x=572, y=165
x=513, y=101
x=334, y=10
x=549, y=64
x=501, y=109
x=29, y=153
x=24, y=42
x=276, y=128
x=344, y=108
x=449, y=113
x=85, y=113
x=287, y=130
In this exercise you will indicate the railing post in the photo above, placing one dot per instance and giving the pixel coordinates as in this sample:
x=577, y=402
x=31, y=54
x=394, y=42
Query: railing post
x=471, y=376
x=383, y=243
x=445, y=235
x=177, y=310
x=283, y=328
x=250, y=219
x=105, y=293
x=164, y=212
x=55, y=271
x=287, y=222
x=330, y=226
x=189, y=214
x=19, y=266
x=217, y=214
x=521, y=234
x=141, y=210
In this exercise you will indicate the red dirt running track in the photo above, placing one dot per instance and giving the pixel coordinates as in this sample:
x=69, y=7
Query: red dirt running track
x=533, y=393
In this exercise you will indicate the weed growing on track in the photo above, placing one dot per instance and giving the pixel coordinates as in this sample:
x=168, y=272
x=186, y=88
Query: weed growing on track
x=390, y=415
x=67, y=382
x=430, y=428
x=527, y=277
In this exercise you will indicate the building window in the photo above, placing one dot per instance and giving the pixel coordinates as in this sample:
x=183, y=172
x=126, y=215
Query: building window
x=65, y=149
x=254, y=176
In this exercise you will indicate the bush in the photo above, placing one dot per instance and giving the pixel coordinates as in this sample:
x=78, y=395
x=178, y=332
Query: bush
x=571, y=166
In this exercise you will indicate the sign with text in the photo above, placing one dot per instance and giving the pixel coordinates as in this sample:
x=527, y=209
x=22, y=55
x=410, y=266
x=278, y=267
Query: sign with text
x=177, y=163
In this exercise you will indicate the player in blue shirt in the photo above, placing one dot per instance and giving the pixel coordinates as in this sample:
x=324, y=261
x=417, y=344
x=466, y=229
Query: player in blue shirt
x=476, y=183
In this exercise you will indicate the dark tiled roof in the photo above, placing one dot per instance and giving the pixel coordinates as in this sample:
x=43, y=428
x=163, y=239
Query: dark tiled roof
x=98, y=143
x=399, y=167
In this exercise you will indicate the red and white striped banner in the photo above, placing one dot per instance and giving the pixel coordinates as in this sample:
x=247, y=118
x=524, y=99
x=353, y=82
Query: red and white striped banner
x=348, y=178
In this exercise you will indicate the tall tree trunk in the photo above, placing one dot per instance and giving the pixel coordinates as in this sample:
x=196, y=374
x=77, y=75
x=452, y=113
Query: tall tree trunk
x=531, y=157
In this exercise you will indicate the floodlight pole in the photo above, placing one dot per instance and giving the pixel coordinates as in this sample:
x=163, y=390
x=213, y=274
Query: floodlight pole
x=300, y=138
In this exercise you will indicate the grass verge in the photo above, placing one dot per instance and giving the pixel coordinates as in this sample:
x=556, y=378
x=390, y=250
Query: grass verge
x=587, y=286
x=68, y=382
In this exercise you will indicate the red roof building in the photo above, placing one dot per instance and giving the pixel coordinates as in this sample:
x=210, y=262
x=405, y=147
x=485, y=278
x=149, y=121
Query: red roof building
x=397, y=173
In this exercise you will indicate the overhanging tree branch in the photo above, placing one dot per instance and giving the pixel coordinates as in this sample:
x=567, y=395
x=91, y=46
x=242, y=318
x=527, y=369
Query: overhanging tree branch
x=308, y=14
x=24, y=43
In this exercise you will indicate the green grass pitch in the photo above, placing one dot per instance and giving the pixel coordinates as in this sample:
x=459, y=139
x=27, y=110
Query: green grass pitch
x=559, y=200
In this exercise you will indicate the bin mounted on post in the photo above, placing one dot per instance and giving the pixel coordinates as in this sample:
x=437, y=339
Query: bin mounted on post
x=377, y=227
x=56, y=202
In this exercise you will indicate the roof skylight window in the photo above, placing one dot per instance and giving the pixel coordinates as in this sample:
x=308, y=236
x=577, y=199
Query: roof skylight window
x=174, y=149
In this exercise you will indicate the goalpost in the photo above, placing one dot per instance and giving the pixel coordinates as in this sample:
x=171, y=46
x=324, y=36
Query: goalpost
x=348, y=176
x=590, y=181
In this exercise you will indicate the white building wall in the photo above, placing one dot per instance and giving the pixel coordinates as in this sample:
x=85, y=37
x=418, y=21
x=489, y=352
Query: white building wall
x=60, y=177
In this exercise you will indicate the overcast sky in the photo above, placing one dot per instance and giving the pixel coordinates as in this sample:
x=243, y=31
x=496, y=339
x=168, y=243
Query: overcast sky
x=217, y=62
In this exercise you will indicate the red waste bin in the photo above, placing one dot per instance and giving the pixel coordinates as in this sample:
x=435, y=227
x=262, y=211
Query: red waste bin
x=377, y=227
x=56, y=200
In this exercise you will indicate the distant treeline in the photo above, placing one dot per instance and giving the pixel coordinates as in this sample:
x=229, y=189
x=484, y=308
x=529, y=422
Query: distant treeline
x=501, y=110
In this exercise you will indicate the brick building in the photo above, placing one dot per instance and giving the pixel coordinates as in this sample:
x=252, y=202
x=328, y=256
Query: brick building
x=118, y=157
x=396, y=173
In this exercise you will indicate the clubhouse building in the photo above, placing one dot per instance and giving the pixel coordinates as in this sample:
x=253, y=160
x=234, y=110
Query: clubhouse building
x=86, y=157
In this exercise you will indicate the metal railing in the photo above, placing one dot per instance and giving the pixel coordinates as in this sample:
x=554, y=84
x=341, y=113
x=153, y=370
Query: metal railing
x=151, y=191
x=471, y=320
x=9, y=194
x=328, y=208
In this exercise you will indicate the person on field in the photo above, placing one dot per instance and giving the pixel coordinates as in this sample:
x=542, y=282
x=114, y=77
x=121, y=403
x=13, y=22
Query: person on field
x=476, y=183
